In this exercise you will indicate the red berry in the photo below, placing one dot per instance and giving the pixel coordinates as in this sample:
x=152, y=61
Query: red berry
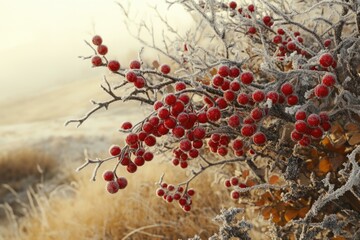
x=258, y=95
x=251, y=8
x=163, y=113
x=202, y=117
x=183, y=164
x=108, y=175
x=226, y=85
x=131, y=139
x=313, y=120
x=139, y=161
x=150, y=141
x=179, y=86
x=326, y=126
x=273, y=96
x=131, y=76
x=193, y=153
x=170, y=122
x=222, y=151
x=165, y=69
x=131, y=167
x=213, y=114
x=266, y=20
x=185, y=145
x=247, y=130
x=259, y=138
x=199, y=133
x=187, y=208
x=328, y=80
x=296, y=136
x=122, y=182
x=102, y=49
x=326, y=60
x=96, y=61
x=292, y=100
x=256, y=114
x=305, y=141
x=291, y=46
x=243, y=99
x=112, y=187
x=287, y=89
x=235, y=195
x=237, y=144
x=191, y=192
x=280, y=31
x=301, y=126
x=135, y=64
x=160, y=192
x=232, y=5
x=170, y=99
x=234, y=121
x=321, y=91
x=229, y=95
x=217, y=81
x=317, y=133
x=327, y=42
x=148, y=156
x=234, y=72
x=97, y=40
x=324, y=117
x=114, y=66
x=224, y=71
x=235, y=85
x=224, y=140
x=221, y=102
x=126, y=125
x=234, y=181
x=277, y=39
x=300, y=115
x=252, y=30
x=114, y=150
x=227, y=183
x=139, y=82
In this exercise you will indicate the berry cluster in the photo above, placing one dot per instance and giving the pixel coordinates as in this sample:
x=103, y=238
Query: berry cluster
x=114, y=183
x=309, y=127
x=234, y=183
x=170, y=193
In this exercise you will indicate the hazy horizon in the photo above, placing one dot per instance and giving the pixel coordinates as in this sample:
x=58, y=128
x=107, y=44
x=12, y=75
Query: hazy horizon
x=42, y=39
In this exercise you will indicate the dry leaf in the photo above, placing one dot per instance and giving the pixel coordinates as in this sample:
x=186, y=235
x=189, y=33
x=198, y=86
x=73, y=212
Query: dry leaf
x=290, y=214
x=273, y=179
x=354, y=139
x=324, y=165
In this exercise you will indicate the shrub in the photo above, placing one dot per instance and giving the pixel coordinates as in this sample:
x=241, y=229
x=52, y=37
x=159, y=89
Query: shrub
x=270, y=93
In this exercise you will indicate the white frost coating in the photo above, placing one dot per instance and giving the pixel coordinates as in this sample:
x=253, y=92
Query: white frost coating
x=308, y=93
x=268, y=103
x=353, y=180
x=292, y=110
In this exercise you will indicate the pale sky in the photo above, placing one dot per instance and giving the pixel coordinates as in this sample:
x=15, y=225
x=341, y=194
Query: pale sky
x=42, y=39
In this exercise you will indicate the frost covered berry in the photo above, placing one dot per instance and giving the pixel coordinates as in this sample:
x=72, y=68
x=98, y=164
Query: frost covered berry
x=114, y=66
x=165, y=69
x=259, y=138
x=122, y=182
x=135, y=64
x=247, y=77
x=213, y=114
x=112, y=187
x=114, y=150
x=108, y=175
x=326, y=60
x=287, y=89
x=328, y=80
x=232, y=5
x=102, y=49
x=96, y=61
x=321, y=91
x=97, y=40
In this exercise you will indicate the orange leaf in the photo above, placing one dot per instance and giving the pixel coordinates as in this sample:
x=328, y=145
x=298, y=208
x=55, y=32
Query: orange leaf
x=324, y=165
x=250, y=183
x=290, y=214
x=303, y=211
x=273, y=179
x=266, y=212
x=338, y=238
x=245, y=173
x=213, y=71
